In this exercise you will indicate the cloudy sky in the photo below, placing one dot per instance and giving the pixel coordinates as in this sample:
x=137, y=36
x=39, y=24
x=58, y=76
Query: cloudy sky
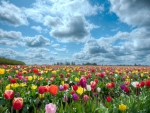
x=51, y=31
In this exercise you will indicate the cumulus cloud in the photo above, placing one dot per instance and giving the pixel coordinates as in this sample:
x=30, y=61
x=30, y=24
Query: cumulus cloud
x=122, y=48
x=28, y=57
x=55, y=45
x=64, y=18
x=11, y=14
x=12, y=43
x=93, y=47
x=52, y=21
x=14, y=35
x=74, y=30
x=39, y=29
x=37, y=41
x=39, y=50
x=132, y=12
x=11, y=38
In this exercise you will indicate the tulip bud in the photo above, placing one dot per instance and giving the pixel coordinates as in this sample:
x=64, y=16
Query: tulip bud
x=17, y=103
x=75, y=97
x=9, y=94
x=83, y=82
x=85, y=97
x=88, y=87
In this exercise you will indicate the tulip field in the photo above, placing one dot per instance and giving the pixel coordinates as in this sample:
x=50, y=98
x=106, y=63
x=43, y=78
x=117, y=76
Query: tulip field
x=74, y=89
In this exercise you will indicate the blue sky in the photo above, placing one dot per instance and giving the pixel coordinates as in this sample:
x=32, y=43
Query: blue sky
x=50, y=31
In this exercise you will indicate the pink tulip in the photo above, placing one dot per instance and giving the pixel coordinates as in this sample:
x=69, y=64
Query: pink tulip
x=85, y=97
x=50, y=108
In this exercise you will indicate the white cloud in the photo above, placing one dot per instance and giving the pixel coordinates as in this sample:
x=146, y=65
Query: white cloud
x=14, y=35
x=122, y=48
x=11, y=14
x=39, y=50
x=55, y=45
x=74, y=30
x=65, y=18
x=132, y=12
x=39, y=29
x=12, y=43
x=37, y=41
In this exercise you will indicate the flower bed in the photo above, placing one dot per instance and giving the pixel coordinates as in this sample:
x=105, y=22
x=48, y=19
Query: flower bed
x=74, y=89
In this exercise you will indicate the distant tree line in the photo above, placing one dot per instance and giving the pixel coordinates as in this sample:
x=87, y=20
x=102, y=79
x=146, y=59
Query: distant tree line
x=73, y=63
x=10, y=61
x=66, y=63
x=89, y=63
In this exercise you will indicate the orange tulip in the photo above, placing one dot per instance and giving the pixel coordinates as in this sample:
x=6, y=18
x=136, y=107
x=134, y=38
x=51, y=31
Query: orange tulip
x=53, y=89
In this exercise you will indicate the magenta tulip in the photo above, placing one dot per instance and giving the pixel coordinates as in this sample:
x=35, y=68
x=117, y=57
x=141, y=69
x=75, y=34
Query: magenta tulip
x=83, y=82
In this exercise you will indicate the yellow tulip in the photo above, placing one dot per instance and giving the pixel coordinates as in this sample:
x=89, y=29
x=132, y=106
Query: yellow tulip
x=23, y=84
x=80, y=90
x=76, y=79
x=62, y=82
x=2, y=71
x=33, y=87
x=8, y=87
x=122, y=107
x=15, y=85
x=34, y=77
x=41, y=96
x=40, y=78
x=54, y=72
x=30, y=78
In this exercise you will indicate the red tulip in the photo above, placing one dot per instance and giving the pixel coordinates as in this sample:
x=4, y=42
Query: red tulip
x=66, y=86
x=93, y=85
x=41, y=89
x=142, y=84
x=108, y=99
x=75, y=87
x=9, y=94
x=109, y=85
x=112, y=84
x=19, y=73
x=126, y=89
x=35, y=70
x=61, y=75
x=147, y=83
x=17, y=103
x=12, y=80
x=96, y=80
x=68, y=75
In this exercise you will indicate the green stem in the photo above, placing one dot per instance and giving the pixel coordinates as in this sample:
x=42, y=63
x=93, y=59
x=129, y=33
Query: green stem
x=17, y=111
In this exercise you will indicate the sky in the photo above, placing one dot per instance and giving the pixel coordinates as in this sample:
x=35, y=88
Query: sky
x=107, y=32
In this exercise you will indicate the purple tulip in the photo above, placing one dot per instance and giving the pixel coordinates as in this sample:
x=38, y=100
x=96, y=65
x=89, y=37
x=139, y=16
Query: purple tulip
x=75, y=97
x=65, y=98
x=83, y=82
x=24, y=80
x=61, y=87
x=122, y=86
x=95, y=94
x=9, y=77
